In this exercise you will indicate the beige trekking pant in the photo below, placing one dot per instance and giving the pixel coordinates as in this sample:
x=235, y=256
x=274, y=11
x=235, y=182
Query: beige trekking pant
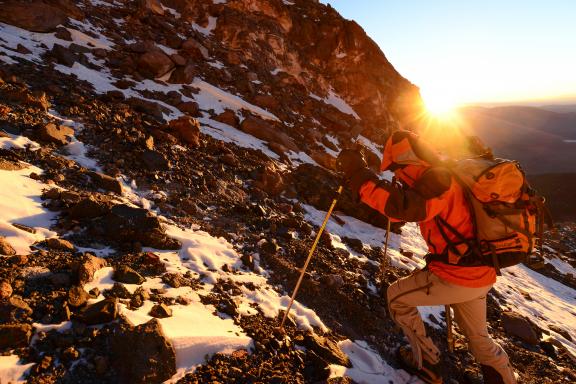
x=423, y=288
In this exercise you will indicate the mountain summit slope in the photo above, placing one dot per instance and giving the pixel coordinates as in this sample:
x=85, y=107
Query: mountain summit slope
x=164, y=168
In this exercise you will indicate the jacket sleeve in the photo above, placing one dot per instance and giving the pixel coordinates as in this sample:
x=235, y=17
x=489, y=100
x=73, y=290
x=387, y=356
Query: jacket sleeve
x=424, y=200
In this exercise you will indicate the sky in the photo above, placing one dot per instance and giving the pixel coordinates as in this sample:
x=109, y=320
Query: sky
x=489, y=51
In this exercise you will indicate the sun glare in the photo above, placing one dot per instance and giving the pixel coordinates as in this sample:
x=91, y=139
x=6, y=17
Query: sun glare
x=439, y=105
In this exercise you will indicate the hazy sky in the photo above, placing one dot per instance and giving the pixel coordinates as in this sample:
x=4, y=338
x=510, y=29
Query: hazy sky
x=472, y=50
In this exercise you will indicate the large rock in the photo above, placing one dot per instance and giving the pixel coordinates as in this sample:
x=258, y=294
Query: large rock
x=270, y=180
x=6, y=248
x=15, y=335
x=125, y=274
x=187, y=129
x=106, y=182
x=264, y=131
x=14, y=310
x=228, y=117
x=142, y=354
x=155, y=64
x=84, y=269
x=88, y=208
x=55, y=134
x=327, y=349
x=128, y=224
x=34, y=16
x=154, y=160
x=519, y=326
x=148, y=107
x=101, y=312
x=183, y=75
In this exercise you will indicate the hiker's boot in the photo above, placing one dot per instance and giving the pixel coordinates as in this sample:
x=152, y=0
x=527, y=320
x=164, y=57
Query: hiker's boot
x=491, y=376
x=429, y=373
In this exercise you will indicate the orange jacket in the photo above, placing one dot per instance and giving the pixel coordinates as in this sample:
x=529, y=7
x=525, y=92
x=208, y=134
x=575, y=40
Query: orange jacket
x=432, y=192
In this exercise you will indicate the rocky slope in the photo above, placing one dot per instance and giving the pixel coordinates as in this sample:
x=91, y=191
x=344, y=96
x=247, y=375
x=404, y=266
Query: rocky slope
x=164, y=166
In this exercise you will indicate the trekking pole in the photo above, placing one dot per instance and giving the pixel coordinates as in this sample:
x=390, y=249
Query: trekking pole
x=384, y=262
x=449, y=335
x=312, y=249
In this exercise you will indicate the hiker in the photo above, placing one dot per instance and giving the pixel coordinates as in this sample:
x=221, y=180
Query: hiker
x=428, y=193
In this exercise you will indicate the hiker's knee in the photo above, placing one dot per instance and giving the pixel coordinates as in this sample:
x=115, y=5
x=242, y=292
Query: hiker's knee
x=486, y=350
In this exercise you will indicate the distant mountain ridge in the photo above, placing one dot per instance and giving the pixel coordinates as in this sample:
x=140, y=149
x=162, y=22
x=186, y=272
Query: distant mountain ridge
x=542, y=140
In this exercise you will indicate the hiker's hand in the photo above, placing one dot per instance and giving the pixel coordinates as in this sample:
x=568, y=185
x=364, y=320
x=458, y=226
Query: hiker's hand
x=350, y=162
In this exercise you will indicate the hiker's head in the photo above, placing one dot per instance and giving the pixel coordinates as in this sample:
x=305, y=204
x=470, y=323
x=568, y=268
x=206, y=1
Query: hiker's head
x=407, y=156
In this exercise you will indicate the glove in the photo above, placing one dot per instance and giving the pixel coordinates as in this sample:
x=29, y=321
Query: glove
x=350, y=162
x=353, y=166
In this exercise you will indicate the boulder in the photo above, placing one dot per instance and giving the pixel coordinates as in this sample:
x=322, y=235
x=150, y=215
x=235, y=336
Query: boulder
x=125, y=223
x=519, y=326
x=154, y=6
x=60, y=244
x=127, y=275
x=160, y=311
x=264, y=131
x=64, y=55
x=15, y=335
x=118, y=290
x=228, y=117
x=154, y=64
x=34, y=16
x=183, y=75
x=84, y=269
x=14, y=310
x=154, y=160
x=187, y=129
x=6, y=248
x=148, y=107
x=77, y=297
x=142, y=354
x=327, y=349
x=54, y=134
x=5, y=290
x=106, y=182
x=189, y=107
x=101, y=312
x=266, y=101
x=270, y=180
x=88, y=208
x=324, y=159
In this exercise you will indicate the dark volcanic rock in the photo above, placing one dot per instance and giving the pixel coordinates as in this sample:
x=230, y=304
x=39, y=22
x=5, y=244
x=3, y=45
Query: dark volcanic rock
x=265, y=131
x=15, y=335
x=155, y=161
x=519, y=326
x=6, y=248
x=77, y=296
x=84, y=269
x=154, y=64
x=125, y=223
x=101, y=312
x=118, y=290
x=106, y=182
x=187, y=129
x=160, y=311
x=88, y=208
x=14, y=310
x=56, y=134
x=60, y=244
x=142, y=354
x=34, y=16
x=327, y=349
x=127, y=275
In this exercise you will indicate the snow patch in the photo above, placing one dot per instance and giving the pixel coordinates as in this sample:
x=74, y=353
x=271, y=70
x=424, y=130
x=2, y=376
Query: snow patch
x=20, y=202
x=367, y=366
x=12, y=371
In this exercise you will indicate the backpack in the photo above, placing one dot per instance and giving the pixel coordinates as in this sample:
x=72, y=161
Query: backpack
x=508, y=215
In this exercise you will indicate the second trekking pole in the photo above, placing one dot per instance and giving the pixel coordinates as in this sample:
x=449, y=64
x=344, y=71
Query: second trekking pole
x=312, y=249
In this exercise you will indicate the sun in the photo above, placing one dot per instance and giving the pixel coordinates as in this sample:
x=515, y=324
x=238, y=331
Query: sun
x=439, y=105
